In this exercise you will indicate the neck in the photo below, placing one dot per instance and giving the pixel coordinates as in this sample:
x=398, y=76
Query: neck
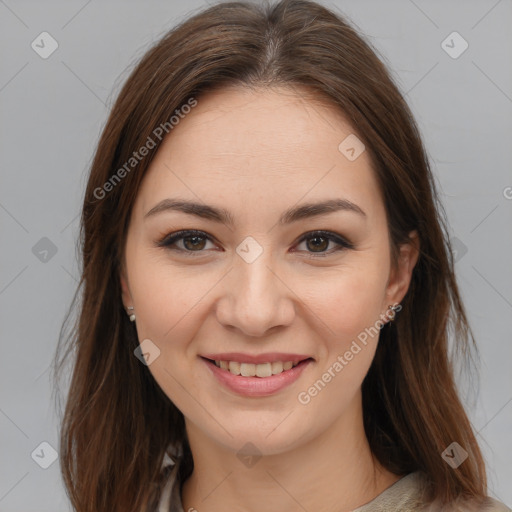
x=333, y=472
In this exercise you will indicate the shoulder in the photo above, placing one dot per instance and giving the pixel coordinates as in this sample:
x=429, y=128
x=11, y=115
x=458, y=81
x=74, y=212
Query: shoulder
x=493, y=505
x=407, y=495
x=467, y=505
x=489, y=505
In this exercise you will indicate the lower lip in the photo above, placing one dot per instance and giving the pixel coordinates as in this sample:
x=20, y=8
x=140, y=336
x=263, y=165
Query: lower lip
x=257, y=386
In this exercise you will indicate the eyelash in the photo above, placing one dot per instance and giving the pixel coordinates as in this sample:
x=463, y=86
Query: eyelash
x=168, y=240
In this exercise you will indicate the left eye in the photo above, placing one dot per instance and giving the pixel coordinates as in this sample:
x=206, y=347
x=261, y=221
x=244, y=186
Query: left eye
x=320, y=240
x=194, y=242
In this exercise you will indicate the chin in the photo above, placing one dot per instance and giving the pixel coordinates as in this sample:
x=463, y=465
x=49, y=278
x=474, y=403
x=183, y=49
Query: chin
x=251, y=439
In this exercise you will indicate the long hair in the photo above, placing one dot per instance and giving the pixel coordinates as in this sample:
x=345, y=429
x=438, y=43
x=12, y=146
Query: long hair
x=117, y=422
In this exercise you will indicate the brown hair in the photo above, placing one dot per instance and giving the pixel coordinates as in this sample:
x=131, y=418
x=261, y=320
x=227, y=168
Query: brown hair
x=118, y=422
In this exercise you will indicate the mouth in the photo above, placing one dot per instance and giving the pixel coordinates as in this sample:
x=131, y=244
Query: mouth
x=261, y=370
x=270, y=374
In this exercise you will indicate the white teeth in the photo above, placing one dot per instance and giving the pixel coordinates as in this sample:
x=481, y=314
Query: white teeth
x=264, y=370
x=255, y=370
x=277, y=367
x=234, y=367
x=248, y=369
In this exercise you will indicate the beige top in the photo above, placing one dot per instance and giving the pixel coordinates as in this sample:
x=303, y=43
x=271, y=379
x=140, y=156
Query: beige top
x=402, y=496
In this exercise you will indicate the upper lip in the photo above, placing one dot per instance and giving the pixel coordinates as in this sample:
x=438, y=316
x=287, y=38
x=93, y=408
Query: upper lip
x=257, y=359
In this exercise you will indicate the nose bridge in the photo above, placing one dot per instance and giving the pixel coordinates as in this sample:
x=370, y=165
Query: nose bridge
x=256, y=300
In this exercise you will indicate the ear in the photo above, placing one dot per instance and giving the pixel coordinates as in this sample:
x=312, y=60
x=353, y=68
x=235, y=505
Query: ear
x=125, y=289
x=400, y=276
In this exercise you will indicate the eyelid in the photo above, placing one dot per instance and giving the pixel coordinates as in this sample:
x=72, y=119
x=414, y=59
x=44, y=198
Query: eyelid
x=169, y=239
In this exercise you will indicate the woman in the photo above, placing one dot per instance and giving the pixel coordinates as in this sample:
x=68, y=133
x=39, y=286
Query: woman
x=267, y=283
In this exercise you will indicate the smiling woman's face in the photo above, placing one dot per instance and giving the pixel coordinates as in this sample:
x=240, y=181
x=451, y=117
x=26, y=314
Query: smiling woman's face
x=257, y=282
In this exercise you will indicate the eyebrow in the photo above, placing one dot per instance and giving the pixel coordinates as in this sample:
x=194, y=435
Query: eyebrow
x=223, y=216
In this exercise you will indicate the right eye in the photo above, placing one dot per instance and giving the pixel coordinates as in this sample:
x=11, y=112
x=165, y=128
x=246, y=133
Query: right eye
x=193, y=241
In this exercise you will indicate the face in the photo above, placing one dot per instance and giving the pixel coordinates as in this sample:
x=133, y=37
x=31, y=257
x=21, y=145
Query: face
x=252, y=282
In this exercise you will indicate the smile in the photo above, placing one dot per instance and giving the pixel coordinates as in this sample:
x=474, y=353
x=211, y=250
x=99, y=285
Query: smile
x=256, y=379
x=255, y=370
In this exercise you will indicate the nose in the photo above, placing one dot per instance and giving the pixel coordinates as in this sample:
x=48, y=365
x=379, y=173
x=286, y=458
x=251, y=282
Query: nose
x=255, y=297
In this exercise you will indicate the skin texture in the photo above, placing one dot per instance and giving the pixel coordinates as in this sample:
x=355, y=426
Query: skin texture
x=257, y=153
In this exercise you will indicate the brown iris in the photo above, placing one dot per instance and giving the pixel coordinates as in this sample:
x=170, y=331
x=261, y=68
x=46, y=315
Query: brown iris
x=198, y=242
x=322, y=245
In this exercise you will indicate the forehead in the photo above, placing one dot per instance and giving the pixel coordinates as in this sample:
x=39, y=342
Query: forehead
x=274, y=145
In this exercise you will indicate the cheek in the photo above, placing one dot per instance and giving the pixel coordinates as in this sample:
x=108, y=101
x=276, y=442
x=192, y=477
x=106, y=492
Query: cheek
x=350, y=307
x=171, y=308
x=166, y=293
x=348, y=300
x=169, y=304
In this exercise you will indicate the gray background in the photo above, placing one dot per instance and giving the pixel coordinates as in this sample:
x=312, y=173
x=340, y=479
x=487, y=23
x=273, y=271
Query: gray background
x=52, y=111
